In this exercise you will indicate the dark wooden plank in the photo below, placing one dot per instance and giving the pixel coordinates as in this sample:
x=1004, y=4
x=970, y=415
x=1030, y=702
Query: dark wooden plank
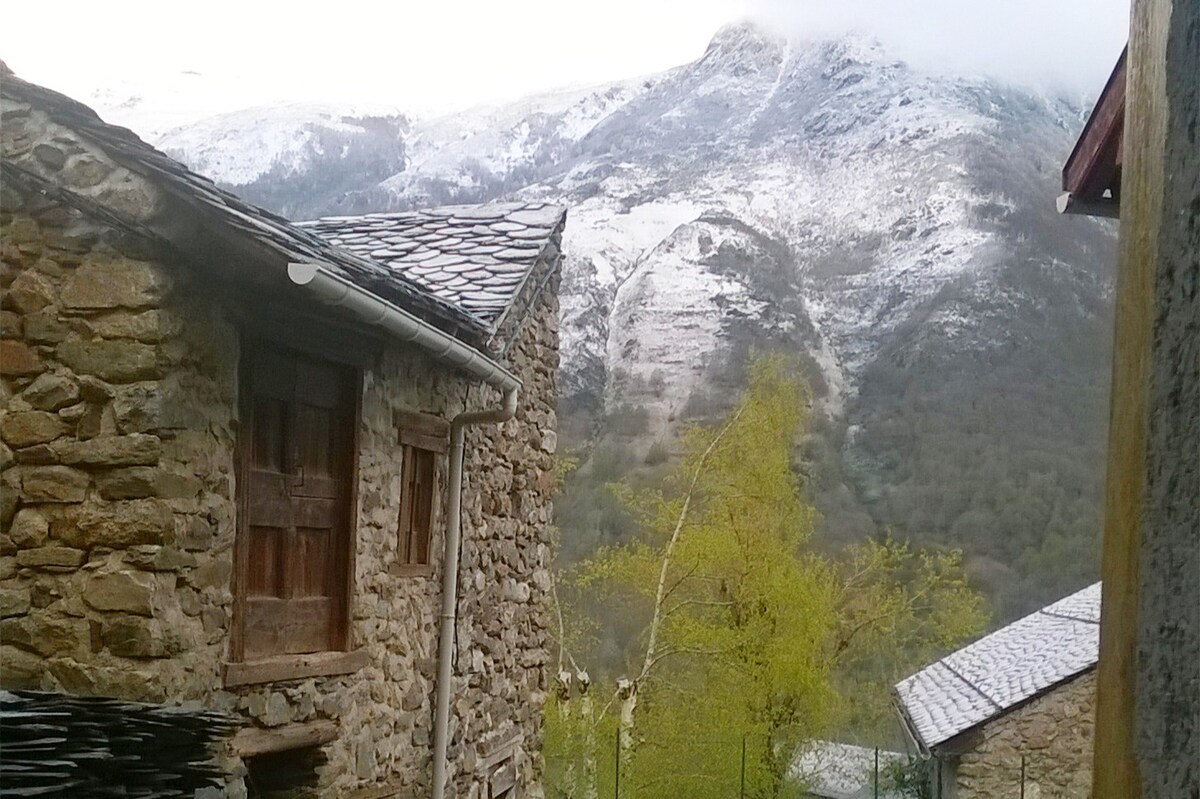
x=311, y=625
x=1091, y=167
x=263, y=626
x=270, y=433
x=314, y=564
x=425, y=423
x=407, y=490
x=272, y=373
x=265, y=577
x=293, y=667
x=423, y=506
x=425, y=441
x=320, y=385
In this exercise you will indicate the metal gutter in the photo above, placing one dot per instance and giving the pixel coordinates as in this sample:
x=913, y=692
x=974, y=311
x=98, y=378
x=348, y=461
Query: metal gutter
x=332, y=289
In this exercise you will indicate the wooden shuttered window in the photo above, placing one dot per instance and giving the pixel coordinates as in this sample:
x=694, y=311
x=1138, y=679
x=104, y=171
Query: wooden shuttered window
x=296, y=495
x=422, y=442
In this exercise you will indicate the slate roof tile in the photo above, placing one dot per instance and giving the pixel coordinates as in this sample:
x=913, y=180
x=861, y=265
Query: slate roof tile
x=999, y=671
x=475, y=256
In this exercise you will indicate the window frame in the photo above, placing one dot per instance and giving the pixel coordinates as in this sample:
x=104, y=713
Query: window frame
x=419, y=432
x=344, y=658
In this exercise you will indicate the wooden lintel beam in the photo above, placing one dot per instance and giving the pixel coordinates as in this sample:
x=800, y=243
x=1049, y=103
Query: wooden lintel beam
x=254, y=741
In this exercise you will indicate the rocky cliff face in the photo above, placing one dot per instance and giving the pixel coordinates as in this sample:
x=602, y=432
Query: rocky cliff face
x=894, y=230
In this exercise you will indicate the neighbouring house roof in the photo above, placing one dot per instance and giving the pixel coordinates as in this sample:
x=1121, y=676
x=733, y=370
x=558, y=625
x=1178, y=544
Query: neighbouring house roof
x=995, y=674
x=476, y=258
x=1092, y=175
x=833, y=770
x=469, y=310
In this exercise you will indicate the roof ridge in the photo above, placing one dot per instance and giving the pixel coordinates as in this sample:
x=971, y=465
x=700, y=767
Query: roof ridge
x=1067, y=616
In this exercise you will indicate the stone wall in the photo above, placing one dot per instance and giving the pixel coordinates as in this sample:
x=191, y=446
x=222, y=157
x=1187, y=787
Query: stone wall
x=1053, y=732
x=120, y=382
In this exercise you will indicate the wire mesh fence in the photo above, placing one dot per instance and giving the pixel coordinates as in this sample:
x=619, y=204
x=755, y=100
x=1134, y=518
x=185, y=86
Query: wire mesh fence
x=729, y=767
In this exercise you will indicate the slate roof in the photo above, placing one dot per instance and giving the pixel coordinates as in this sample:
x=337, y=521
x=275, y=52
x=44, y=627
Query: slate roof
x=999, y=671
x=476, y=257
x=833, y=770
x=235, y=216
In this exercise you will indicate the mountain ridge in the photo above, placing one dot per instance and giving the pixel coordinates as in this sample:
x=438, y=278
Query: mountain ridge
x=895, y=231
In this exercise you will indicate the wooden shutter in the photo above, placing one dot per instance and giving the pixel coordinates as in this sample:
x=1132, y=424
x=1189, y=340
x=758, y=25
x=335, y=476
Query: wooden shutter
x=298, y=505
x=416, y=504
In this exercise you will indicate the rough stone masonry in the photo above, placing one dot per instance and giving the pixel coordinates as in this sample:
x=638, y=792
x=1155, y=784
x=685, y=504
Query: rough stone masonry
x=119, y=368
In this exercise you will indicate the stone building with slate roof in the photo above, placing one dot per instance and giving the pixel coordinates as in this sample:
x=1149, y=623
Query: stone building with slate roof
x=297, y=475
x=1015, y=706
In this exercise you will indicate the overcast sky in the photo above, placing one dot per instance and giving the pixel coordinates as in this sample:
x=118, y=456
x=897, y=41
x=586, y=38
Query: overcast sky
x=446, y=54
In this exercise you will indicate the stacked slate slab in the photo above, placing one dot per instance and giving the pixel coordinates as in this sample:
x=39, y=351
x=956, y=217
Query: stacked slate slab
x=474, y=257
x=58, y=745
x=999, y=671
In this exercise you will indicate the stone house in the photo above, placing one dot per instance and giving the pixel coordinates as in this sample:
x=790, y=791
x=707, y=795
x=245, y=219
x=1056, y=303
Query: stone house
x=300, y=475
x=1012, y=714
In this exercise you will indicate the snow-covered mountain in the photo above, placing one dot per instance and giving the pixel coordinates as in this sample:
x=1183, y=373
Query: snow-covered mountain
x=895, y=230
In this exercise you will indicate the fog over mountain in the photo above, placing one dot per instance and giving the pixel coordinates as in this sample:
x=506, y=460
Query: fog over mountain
x=893, y=229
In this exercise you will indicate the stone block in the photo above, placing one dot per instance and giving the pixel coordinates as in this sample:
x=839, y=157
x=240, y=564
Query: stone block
x=20, y=669
x=45, y=328
x=10, y=325
x=14, y=602
x=115, y=524
x=30, y=292
x=138, y=449
x=216, y=573
x=134, y=482
x=97, y=420
x=18, y=359
x=151, y=557
x=125, y=591
x=95, y=390
x=114, y=361
x=29, y=528
x=277, y=710
x=147, y=326
x=51, y=558
x=50, y=156
x=47, y=634
x=114, y=284
x=50, y=392
x=85, y=171
x=136, y=637
x=137, y=408
x=53, y=484
x=37, y=455
x=25, y=428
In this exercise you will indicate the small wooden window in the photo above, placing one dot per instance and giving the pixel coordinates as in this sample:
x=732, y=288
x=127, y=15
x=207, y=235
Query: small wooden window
x=416, y=505
x=422, y=441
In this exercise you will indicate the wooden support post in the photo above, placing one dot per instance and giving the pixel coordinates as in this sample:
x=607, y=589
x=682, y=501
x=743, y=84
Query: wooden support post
x=1146, y=532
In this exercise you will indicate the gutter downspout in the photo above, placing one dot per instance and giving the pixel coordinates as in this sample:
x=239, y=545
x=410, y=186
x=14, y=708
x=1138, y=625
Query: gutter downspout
x=334, y=290
x=441, y=716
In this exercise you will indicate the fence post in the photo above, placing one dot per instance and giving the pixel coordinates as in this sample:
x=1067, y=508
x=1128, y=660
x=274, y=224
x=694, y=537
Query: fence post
x=617, y=766
x=877, y=772
x=742, y=790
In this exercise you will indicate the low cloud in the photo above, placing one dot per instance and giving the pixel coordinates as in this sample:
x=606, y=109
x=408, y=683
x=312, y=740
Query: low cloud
x=1062, y=45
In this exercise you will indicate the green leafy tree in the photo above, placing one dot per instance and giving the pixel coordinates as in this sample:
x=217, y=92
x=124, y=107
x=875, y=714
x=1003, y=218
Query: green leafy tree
x=742, y=635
